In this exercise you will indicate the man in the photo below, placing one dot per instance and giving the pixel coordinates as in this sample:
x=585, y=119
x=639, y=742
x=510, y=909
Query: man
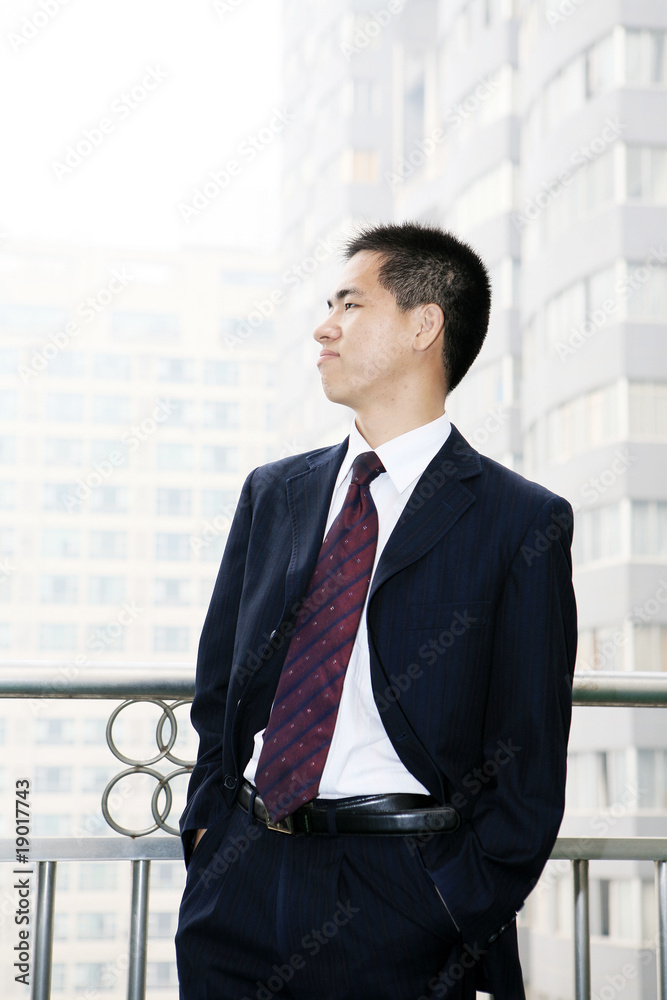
x=384, y=674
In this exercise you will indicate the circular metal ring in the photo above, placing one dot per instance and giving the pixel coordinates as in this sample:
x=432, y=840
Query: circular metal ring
x=158, y=735
x=165, y=748
x=139, y=769
x=160, y=817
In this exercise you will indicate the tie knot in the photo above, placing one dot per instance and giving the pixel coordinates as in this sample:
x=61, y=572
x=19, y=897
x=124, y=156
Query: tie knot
x=366, y=467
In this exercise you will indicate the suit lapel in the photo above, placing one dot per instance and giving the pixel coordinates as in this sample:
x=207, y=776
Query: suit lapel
x=437, y=502
x=309, y=498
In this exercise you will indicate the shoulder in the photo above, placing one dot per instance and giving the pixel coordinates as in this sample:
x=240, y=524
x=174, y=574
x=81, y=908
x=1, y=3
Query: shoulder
x=274, y=473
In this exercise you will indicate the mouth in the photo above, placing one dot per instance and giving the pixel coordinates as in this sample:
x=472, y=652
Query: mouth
x=326, y=355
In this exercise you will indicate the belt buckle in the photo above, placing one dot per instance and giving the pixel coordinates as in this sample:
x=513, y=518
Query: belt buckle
x=285, y=825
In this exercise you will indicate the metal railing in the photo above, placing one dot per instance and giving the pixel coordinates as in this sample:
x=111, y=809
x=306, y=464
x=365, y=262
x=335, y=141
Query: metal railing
x=169, y=687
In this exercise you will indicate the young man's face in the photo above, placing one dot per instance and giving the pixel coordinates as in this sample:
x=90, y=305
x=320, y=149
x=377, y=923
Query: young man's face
x=365, y=339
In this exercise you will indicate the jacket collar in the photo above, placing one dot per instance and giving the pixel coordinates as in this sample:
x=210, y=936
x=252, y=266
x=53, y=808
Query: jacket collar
x=437, y=502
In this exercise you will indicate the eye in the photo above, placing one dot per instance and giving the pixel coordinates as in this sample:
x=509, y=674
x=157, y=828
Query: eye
x=348, y=304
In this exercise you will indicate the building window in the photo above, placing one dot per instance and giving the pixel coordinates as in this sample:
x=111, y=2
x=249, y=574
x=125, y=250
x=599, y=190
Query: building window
x=173, y=503
x=646, y=56
x=57, y=637
x=649, y=529
x=171, y=457
x=646, y=174
x=212, y=549
x=216, y=458
x=113, y=451
x=5, y=638
x=109, y=637
x=181, y=413
x=144, y=328
x=647, y=295
x=7, y=496
x=111, y=366
x=161, y=975
x=167, y=875
x=60, y=589
x=93, y=976
x=7, y=450
x=63, y=451
x=59, y=496
x=175, y=370
x=64, y=407
x=111, y=409
x=95, y=926
x=161, y=925
x=359, y=166
x=487, y=196
x=171, y=639
x=108, y=544
x=600, y=74
x=61, y=543
x=172, y=545
x=52, y=825
x=9, y=362
x=214, y=502
x=109, y=499
x=53, y=780
x=219, y=414
x=67, y=364
x=8, y=405
x=106, y=589
x=598, y=535
x=97, y=876
x=54, y=731
x=172, y=591
x=650, y=647
x=366, y=98
x=58, y=972
x=94, y=731
x=94, y=779
x=221, y=372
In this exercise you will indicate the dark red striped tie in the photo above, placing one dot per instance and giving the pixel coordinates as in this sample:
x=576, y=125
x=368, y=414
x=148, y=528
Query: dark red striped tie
x=300, y=728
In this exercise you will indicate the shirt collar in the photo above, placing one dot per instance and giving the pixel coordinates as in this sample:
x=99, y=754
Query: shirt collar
x=404, y=457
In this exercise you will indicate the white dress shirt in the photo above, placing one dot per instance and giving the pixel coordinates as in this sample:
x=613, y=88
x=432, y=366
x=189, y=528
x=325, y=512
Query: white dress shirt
x=362, y=759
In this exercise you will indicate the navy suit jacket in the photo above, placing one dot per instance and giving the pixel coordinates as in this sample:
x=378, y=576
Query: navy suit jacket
x=472, y=634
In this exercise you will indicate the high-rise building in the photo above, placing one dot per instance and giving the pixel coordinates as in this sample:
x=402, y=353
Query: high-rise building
x=536, y=131
x=137, y=392
x=343, y=77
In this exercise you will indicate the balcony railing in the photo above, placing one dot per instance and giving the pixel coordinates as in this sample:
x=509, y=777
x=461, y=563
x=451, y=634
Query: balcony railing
x=169, y=687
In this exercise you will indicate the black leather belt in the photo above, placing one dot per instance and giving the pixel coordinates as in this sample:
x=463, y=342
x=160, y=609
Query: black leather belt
x=398, y=814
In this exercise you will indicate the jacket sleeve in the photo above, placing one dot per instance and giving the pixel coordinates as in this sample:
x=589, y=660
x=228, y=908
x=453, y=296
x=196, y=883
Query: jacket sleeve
x=493, y=861
x=205, y=802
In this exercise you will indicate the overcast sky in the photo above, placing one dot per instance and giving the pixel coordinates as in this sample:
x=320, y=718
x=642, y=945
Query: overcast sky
x=149, y=96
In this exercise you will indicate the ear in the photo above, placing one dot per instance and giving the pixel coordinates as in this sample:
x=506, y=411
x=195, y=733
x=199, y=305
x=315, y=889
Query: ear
x=431, y=323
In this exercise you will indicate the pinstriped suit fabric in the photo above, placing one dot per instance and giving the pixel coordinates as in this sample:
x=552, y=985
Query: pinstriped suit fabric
x=265, y=915
x=471, y=626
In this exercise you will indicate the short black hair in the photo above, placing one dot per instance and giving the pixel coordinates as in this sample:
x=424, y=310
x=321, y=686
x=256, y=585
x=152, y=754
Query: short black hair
x=422, y=264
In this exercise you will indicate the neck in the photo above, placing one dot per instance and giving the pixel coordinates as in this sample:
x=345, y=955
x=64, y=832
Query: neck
x=378, y=426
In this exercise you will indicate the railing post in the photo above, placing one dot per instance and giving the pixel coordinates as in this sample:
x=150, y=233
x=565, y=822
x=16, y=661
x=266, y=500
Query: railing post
x=136, y=981
x=661, y=951
x=582, y=938
x=46, y=896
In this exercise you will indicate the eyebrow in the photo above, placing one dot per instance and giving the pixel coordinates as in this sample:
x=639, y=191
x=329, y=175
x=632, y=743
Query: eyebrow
x=343, y=292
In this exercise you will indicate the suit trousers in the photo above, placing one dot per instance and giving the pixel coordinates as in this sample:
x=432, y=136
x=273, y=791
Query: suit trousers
x=337, y=917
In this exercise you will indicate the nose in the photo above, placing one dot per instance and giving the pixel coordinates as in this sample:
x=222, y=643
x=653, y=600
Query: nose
x=327, y=330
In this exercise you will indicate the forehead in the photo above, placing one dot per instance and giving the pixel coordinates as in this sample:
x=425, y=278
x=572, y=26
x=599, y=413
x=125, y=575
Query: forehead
x=361, y=274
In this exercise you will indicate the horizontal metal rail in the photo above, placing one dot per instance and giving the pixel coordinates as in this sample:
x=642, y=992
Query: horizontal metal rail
x=164, y=682
x=63, y=679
